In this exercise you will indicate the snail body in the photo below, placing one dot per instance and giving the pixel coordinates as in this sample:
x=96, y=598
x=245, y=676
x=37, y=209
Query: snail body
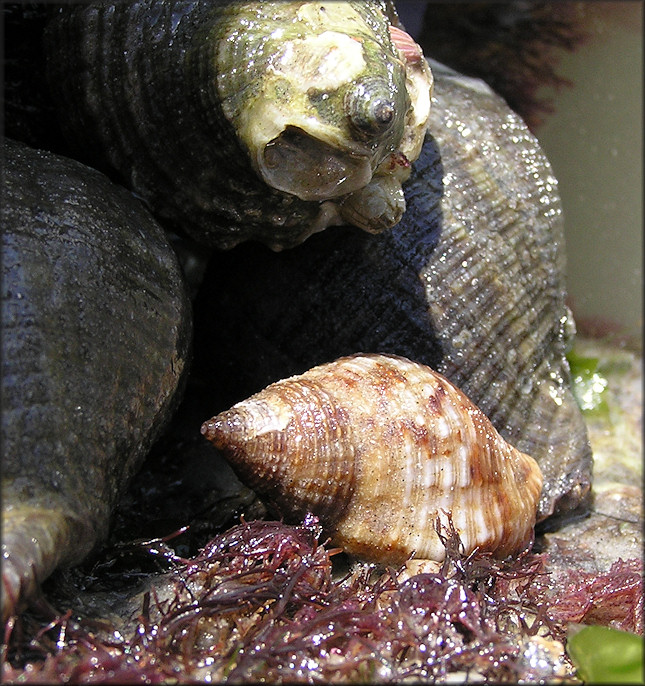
x=96, y=328
x=378, y=447
x=239, y=120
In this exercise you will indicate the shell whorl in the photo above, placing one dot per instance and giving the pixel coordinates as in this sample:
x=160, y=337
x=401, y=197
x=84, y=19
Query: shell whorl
x=370, y=106
x=297, y=418
x=379, y=447
x=240, y=120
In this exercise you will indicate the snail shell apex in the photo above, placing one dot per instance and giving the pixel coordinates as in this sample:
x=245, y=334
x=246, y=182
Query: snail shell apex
x=243, y=120
x=378, y=447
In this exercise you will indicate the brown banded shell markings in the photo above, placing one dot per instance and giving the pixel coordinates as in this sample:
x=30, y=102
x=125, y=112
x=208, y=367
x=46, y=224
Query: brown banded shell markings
x=378, y=447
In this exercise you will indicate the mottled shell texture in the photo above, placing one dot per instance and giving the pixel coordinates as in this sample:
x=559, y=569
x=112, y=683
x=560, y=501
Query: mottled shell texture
x=378, y=447
x=265, y=120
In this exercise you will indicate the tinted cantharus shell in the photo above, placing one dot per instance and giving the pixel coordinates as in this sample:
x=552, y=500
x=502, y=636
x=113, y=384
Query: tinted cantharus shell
x=471, y=282
x=244, y=119
x=378, y=447
x=95, y=335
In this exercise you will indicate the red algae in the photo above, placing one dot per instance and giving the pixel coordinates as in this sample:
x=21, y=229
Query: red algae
x=613, y=598
x=261, y=602
x=515, y=47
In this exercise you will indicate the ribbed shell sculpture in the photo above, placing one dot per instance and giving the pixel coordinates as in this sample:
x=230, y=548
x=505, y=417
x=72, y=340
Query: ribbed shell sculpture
x=379, y=447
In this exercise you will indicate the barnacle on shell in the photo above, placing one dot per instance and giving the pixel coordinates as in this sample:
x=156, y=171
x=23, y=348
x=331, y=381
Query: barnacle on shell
x=379, y=447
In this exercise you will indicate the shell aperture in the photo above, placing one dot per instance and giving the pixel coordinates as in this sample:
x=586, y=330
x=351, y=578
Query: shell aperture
x=297, y=163
x=379, y=447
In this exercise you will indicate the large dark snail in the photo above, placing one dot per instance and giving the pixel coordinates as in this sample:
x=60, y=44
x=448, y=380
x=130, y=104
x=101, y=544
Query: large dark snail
x=95, y=338
x=469, y=281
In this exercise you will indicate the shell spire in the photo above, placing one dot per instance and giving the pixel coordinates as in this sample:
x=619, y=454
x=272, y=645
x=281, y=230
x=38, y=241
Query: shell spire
x=379, y=447
x=263, y=121
x=258, y=436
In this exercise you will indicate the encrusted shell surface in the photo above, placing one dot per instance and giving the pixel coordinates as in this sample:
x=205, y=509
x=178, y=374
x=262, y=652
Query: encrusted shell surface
x=471, y=282
x=239, y=120
x=96, y=329
x=378, y=447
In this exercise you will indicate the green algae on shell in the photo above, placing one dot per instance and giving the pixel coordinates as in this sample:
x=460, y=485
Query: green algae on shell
x=245, y=119
x=96, y=327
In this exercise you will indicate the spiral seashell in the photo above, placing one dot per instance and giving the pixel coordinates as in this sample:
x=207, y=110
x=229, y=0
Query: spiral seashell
x=378, y=447
x=370, y=106
x=471, y=282
x=241, y=120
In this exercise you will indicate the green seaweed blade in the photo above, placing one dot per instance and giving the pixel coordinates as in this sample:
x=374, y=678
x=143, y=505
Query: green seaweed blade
x=607, y=656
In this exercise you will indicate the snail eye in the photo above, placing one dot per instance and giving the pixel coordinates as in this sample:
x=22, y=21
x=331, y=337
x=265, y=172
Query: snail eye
x=371, y=109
